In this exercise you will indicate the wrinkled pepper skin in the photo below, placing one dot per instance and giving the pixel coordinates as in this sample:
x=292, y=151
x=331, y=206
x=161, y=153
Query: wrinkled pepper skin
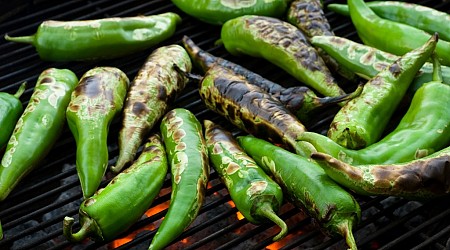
x=154, y=88
x=38, y=128
x=420, y=179
x=95, y=102
x=362, y=120
x=189, y=163
x=11, y=109
x=253, y=192
x=99, y=39
x=217, y=12
x=113, y=209
x=419, y=16
x=282, y=44
x=307, y=186
x=393, y=37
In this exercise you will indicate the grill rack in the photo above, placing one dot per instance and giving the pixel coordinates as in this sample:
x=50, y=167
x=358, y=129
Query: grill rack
x=32, y=215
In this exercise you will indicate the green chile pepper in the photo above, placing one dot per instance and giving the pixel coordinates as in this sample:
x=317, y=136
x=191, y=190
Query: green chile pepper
x=11, y=109
x=95, y=102
x=155, y=86
x=363, y=119
x=217, y=12
x=253, y=192
x=390, y=36
x=38, y=128
x=99, y=39
x=420, y=179
x=307, y=186
x=189, y=163
x=419, y=16
x=113, y=209
x=282, y=44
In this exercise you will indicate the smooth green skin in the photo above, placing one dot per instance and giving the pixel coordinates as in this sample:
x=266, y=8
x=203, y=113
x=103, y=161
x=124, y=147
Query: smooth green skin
x=367, y=61
x=113, y=209
x=307, y=186
x=393, y=37
x=94, y=104
x=421, y=179
x=419, y=16
x=38, y=128
x=363, y=119
x=282, y=44
x=188, y=158
x=11, y=109
x=217, y=12
x=253, y=192
x=99, y=39
x=154, y=88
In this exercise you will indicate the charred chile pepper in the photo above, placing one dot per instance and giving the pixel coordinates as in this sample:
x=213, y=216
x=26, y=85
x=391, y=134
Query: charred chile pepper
x=38, y=128
x=11, y=109
x=307, y=186
x=424, y=178
x=300, y=100
x=99, y=39
x=363, y=119
x=151, y=92
x=282, y=44
x=95, y=102
x=390, y=36
x=218, y=12
x=419, y=16
x=253, y=192
x=188, y=158
x=113, y=209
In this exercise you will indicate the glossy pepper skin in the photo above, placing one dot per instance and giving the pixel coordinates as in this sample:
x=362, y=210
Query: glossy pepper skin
x=99, y=39
x=189, y=163
x=95, y=102
x=217, y=12
x=300, y=100
x=253, y=192
x=154, y=88
x=419, y=16
x=308, y=187
x=11, y=109
x=420, y=179
x=367, y=61
x=113, y=209
x=282, y=44
x=363, y=119
x=393, y=37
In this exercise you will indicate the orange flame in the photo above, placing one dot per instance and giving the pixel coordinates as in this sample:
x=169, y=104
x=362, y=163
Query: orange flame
x=238, y=214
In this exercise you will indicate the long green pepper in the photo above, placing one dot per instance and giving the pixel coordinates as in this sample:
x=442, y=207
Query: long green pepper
x=11, y=109
x=189, y=163
x=154, y=88
x=95, y=102
x=253, y=192
x=113, y=209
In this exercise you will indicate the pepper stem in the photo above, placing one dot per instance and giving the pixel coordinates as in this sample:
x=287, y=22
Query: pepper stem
x=328, y=100
x=84, y=232
x=266, y=210
x=187, y=74
x=345, y=229
x=437, y=70
x=20, y=90
x=20, y=39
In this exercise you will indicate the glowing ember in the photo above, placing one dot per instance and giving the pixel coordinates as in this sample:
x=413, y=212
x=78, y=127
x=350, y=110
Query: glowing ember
x=238, y=214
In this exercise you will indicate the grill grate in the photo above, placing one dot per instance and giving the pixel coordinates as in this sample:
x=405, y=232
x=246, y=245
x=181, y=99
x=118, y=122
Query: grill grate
x=32, y=215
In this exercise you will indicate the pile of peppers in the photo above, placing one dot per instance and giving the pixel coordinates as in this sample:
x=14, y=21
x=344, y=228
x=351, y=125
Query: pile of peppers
x=358, y=156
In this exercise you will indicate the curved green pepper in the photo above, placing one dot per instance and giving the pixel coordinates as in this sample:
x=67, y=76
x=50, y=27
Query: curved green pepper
x=99, y=39
x=218, y=12
x=11, y=109
x=94, y=103
x=189, y=163
x=113, y=209
x=253, y=192
x=307, y=186
x=363, y=119
x=155, y=86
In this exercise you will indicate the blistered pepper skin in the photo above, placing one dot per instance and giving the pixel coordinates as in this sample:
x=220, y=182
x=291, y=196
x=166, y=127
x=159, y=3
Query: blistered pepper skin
x=95, y=102
x=154, y=88
x=11, y=109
